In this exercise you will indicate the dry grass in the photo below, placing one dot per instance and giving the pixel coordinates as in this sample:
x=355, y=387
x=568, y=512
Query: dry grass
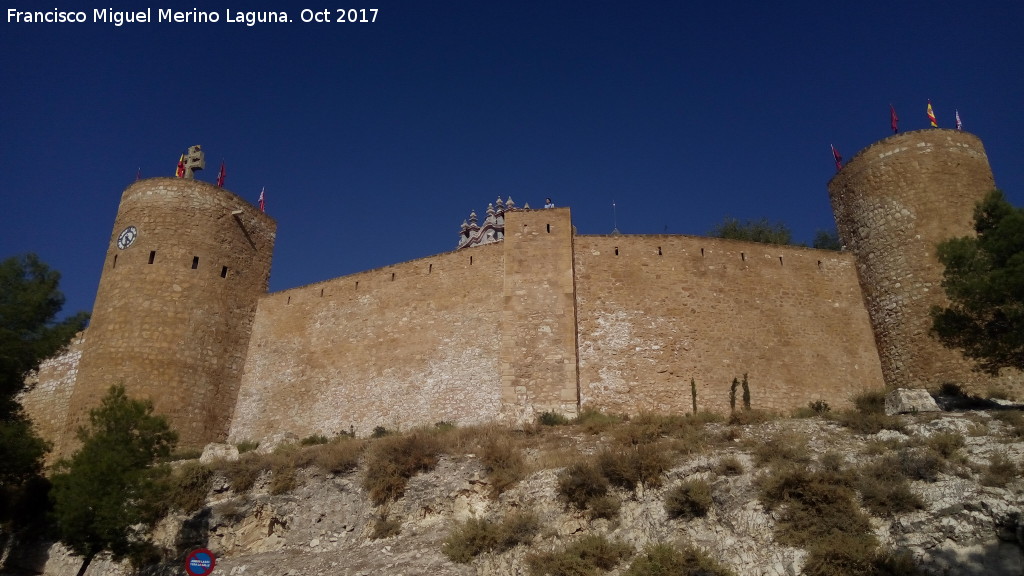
x=665, y=560
x=590, y=555
x=688, y=500
x=392, y=460
x=477, y=536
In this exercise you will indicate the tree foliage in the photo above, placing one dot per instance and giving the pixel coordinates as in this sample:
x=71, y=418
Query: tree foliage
x=753, y=231
x=29, y=304
x=827, y=240
x=984, y=281
x=29, y=332
x=105, y=496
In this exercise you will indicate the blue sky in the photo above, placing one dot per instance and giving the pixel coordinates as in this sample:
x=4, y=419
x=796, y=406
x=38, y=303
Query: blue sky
x=375, y=140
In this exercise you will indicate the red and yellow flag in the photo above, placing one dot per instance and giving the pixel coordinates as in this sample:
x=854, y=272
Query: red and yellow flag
x=931, y=115
x=181, y=167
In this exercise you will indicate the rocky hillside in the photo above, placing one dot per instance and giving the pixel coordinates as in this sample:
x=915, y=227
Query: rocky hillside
x=928, y=493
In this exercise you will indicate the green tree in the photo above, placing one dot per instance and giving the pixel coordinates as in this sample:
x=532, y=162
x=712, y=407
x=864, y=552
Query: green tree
x=753, y=231
x=29, y=304
x=106, y=496
x=827, y=240
x=29, y=332
x=984, y=281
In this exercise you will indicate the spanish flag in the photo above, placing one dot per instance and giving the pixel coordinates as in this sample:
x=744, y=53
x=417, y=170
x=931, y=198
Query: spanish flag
x=181, y=167
x=931, y=115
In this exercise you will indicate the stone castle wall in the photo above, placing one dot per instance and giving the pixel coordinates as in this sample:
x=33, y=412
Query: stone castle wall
x=416, y=342
x=894, y=202
x=656, y=311
x=173, y=310
x=544, y=321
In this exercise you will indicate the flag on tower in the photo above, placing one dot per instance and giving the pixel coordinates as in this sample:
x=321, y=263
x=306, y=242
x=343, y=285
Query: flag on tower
x=181, y=167
x=894, y=120
x=263, y=202
x=221, y=175
x=839, y=159
x=931, y=115
x=959, y=124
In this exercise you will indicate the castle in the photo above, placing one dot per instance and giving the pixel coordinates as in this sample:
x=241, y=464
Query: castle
x=536, y=318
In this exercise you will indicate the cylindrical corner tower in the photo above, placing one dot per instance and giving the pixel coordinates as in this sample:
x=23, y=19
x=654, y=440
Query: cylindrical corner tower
x=893, y=203
x=186, y=264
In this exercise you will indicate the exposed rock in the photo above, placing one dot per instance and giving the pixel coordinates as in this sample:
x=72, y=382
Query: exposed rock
x=907, y=401
x=214, y=452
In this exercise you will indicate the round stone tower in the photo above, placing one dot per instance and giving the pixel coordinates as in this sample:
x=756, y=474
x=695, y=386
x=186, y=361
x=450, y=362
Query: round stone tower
x=893, y=203
x=185, y=266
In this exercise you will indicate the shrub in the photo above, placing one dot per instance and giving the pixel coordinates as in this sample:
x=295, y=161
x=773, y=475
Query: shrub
x=504, y=464
x=1001, y=471
x=284, y=476
x=946, y=443
x=595, y=422
x=842, y=555
x=782, y=447
x=243, y=473
x=339, y=456
x=1014, y=419
x=631, y=467
x=868, y=422
x=380, y=432
x=606, y=507
x=664, y=560
x=884, y=488
x=583, y=557
x=729, y=466
x=552, y=419
x=189, y=485
x=870, y=402
x=246, y=446
x=749, y=416
x=476, y=536
x=385, y=527
x=690, y=499
x=314, y=440
x=819, y=407
x=580, y=484
x=817, y=505
x=921, y=464
x=392, y=460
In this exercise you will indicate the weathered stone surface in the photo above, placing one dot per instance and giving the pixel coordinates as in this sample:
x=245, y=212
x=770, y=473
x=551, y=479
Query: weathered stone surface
x=904, y=401
x=214, y=452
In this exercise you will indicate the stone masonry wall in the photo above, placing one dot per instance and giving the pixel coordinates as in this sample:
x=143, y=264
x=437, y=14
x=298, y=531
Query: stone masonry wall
x=47, y=393
x=656, y=311
x=538, y=350
x=894, y=202
x=410, y=344
x=173, y=310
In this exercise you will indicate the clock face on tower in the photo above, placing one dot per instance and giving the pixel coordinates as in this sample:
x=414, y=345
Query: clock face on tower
x=126, y=237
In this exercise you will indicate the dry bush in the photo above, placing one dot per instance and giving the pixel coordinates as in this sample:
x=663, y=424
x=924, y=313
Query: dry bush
x=284, y=471
x=476, y=536
x=884, y=488
x=784, y=446
x=920, y=463
x=647, y=428
x=552, y=419
x=243, y=473
x=189, y=486
x=815, y=505
x=247, y=446
x=384, y=526
x=392, y=460
x=1012, y=418
x=867, y=422
x=946, y=443
x=1001, y=471
x=584, y=557
x=690, y=499
x=606, y=507
x=745, y=417
x=596, y=422
x=665, y=560
x=729, y=466
x=339, y=456
x=580, y=484
x=504, y=464
x=870, y=402
x=630, y=467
